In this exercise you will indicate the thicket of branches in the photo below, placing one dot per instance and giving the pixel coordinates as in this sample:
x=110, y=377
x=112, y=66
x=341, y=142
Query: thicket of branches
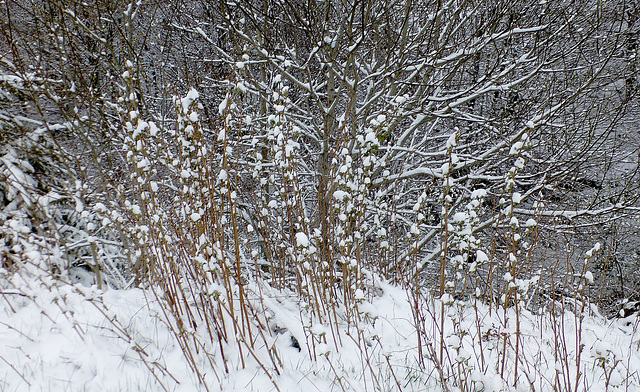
x=475, y=150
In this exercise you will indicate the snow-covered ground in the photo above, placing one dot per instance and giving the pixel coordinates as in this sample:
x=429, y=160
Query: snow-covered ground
x=61, y=337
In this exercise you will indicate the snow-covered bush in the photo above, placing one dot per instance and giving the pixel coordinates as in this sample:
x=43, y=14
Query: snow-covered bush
x=375, y=192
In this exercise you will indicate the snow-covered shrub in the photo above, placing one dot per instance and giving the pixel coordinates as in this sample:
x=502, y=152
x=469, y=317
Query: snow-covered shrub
x=269, y=179
x=45, y=192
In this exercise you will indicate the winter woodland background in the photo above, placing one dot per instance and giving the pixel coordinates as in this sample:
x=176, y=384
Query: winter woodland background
x=320, y=195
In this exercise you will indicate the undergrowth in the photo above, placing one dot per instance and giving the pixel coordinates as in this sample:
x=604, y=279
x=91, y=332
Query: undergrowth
x=219, y=227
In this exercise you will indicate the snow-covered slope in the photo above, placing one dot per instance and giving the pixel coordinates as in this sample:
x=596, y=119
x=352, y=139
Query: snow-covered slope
x=62, y=337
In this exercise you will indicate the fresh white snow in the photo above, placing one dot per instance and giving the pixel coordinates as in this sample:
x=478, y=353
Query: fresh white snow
x=57, y=336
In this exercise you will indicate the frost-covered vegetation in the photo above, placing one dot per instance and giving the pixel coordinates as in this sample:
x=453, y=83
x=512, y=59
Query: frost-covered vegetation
x=266, y=195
